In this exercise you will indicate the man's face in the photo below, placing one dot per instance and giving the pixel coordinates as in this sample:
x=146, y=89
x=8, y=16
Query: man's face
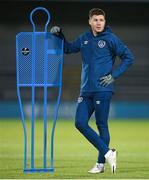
x=97, y=23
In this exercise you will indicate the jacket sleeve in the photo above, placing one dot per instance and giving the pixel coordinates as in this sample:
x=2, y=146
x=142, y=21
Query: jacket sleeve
x=72, y=47
x=125, y=55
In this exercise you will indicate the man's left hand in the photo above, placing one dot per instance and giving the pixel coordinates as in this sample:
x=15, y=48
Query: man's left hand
x=106, y=80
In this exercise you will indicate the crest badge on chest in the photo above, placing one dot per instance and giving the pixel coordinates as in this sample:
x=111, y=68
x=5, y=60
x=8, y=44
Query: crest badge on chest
x=101, y=43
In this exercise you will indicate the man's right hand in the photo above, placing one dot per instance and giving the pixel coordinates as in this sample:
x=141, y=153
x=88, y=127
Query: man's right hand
x=57, y=31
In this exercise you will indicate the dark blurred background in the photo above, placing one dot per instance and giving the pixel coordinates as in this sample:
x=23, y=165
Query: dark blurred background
x=128, y=19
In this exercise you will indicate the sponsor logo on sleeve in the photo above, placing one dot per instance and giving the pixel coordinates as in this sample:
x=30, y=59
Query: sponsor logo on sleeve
x=80, y=99
x=97, y=102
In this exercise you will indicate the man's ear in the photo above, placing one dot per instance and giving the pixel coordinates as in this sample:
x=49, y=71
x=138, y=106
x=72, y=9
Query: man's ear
x=89, y=21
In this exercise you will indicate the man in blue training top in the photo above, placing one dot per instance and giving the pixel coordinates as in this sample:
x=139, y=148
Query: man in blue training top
x=99, y=48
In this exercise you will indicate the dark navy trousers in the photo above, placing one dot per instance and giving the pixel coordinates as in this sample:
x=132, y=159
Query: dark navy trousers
x=98, y=102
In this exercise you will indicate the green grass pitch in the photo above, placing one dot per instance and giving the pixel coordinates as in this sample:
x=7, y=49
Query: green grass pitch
x=74, y=156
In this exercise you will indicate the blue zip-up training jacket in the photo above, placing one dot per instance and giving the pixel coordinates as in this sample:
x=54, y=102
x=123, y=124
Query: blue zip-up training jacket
x=98, y=57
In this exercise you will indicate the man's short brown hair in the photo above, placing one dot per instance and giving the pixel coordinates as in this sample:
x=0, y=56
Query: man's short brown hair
x=96, y=11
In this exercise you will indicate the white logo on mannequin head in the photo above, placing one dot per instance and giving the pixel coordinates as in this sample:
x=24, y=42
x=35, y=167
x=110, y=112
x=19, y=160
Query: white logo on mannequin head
x=101, y=43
